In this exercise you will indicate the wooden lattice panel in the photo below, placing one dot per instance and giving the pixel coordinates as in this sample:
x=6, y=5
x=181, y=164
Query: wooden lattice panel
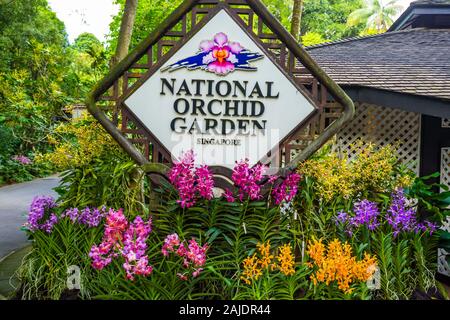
x=445, y=166
x=172, y=39
x=383, y=126
x=445, y=122
x=443, y=266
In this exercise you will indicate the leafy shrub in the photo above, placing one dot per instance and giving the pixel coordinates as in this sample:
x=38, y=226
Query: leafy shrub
x=361, y=201
x=373, y=170
x=17, y=168
x=96, y=171
x=78, y=143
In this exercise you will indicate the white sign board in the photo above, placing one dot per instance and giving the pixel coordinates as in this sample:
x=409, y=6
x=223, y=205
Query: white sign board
x=221, y=96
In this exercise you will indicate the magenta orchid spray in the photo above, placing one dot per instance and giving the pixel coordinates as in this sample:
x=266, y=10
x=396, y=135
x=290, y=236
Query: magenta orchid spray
x=115, y=226
x=248, y=180
x=124, y=239
x=189, y=181
x=134, y=246
x=194, y=255
x=287, y=190
x=194, y=183
x=22, y=159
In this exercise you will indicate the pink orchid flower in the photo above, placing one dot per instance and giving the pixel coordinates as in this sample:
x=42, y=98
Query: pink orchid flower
x=221, y=54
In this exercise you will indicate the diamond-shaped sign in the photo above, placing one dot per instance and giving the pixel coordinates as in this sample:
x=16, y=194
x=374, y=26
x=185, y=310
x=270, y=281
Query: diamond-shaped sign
x=221, y=95
x=218, y=77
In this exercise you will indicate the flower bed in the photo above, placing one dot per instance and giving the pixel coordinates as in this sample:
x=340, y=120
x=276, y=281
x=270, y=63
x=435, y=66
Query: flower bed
x=298, y=237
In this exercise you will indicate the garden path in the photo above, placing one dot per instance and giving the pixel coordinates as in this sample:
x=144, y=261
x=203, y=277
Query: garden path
x=14, y=202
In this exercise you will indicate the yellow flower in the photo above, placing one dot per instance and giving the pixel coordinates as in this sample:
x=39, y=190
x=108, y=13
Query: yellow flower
x=266, y=257
x=316, y=251
x=372, y=168
x=78, y=143
x=336, y=263
x=286, y=260
x=253, y=266
x=251, y=269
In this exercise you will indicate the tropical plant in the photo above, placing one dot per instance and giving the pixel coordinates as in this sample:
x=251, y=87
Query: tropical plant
x=377, y=15
x=337, y=272
x=61, y=239
x=272, y=274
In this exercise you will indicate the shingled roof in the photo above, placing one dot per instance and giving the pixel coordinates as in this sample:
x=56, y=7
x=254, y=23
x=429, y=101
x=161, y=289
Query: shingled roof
x=412, y=61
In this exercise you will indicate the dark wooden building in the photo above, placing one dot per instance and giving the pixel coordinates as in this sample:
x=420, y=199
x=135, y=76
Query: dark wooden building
x=400, y=83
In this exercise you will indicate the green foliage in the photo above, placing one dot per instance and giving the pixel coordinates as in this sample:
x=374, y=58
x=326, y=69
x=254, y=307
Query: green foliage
x=329, y=18
x=87, y=63
x=102, y=182
x=405, y=264
x=44, y=271
x=40, y=74
x=313, y=38
x=322, y=20
x=96, y=171
x=282, y=10
x=12, y=170
x=436, y=204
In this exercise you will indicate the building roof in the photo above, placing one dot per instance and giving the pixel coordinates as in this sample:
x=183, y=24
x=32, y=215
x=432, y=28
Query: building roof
x=430, y=13
x=413, y=61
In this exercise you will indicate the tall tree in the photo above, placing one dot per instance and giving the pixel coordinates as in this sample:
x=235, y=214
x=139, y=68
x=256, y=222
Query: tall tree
x=126, y=30
x=124, y=40
x=377, y=15
x=149, y=14
x=296, y=18
x=327, y=19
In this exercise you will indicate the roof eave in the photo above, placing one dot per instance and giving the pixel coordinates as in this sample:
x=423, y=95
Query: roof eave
x=432, y=106
x=419, y=9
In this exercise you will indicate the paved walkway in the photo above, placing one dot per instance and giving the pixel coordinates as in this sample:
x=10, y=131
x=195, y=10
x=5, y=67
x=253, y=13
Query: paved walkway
x=14, y=203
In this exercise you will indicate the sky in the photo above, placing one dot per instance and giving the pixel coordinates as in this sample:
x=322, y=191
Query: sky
x=80, y=16
x=94, y=16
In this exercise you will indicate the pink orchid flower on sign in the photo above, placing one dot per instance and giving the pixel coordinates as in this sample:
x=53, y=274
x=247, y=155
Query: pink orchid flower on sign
x=221, y=57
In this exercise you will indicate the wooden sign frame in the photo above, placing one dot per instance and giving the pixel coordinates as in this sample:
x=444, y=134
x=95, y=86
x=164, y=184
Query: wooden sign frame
x=106, y=101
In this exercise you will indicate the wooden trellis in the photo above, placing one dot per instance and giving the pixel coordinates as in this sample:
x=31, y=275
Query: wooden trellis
x=106, y=102
x=371, y=123
x=382, y=126
x=445, y=122
x=445, y=166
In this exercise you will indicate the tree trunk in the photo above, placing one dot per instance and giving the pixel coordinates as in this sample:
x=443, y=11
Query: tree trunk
x=123, y=42
x=126, y=30
x=296, y=18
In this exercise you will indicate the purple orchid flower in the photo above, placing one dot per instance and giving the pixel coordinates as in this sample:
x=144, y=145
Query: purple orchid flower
x=221, y=56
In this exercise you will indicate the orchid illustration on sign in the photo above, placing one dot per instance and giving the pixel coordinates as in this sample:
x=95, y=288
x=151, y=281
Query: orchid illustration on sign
x=219, y=56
